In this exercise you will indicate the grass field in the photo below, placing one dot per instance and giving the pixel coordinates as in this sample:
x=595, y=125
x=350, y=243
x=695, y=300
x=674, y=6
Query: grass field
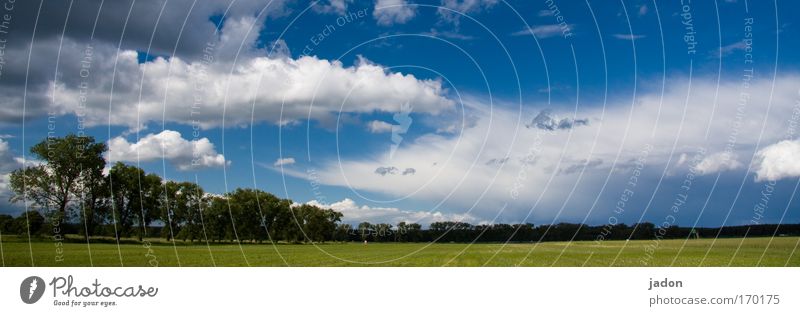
x=779, y=251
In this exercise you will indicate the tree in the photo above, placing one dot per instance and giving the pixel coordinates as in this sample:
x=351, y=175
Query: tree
x=318, y=224
x=402, y=232
x=342, y=232
x=7, y=224
x=365, y=229
x=217, y=220
x=187, y=201
x=151, y=191
x=244, y=210
x=95, y=205
x=54, y=184
x=30, y=222
x=382, y=232
x=135, y=198
x=172, y=213
x=414, y=232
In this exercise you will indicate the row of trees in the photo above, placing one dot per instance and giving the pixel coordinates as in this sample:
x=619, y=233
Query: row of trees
x=217, y=227
x=75, y=195
x=465, y=232
x=69, y=186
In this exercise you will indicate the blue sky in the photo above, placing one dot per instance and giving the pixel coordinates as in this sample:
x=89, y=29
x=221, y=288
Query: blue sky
x=308, y=102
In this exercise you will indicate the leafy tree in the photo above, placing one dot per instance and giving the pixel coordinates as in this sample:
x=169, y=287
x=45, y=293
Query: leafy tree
x=318, y=224
x=53, y=184
x=383, y=232
x=244, y=208
x=217, y=220
x=342, y=232
x=272, y=209
x=187, y=202
x=135, y=198
x=414, y=232
x=365, y=229
x=150, y=195
x=95, y=205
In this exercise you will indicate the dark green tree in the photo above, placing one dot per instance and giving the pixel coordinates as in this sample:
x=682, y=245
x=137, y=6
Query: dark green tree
x=54, y=184
x=29, y=222
x=135, y=198
x=7, y=224
x=217, y=220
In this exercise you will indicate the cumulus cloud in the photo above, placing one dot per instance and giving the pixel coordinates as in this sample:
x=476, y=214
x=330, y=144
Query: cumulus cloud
x=284, y=162
x=778, y=161
x=355, y=213
x=718, y=162
x=276, y=90
x=235, y=76
x=379, y=127
x=168, y=145
x=390, y=12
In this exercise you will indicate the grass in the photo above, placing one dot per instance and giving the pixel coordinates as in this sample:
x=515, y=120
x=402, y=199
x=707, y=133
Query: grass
x=780, y=251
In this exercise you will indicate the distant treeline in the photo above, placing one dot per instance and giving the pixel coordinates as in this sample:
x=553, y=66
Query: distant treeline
x=68, y=193
x=220, y=230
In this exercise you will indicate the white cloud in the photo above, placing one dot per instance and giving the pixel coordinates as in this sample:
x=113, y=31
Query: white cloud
x=379, y=127
x=7, y=164
x=332, y=6
x=7, y=160
x=446, y=11
x=390, y=12
x=284, y=162
x=355, y=213
x=544, y=31
x=168, y=145
x=448, y=34
x=5, y=186
x=275, y=89
x=452, y=169
x=778, y=161
x=717, y=162
x=731, y=48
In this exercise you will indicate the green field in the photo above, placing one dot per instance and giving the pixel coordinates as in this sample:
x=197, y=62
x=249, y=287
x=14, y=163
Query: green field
x=779, y=251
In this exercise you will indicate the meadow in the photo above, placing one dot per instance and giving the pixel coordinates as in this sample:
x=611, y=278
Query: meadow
x=747, y=252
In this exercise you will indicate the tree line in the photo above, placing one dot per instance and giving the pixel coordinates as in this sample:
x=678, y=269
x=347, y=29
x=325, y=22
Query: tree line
x=467, y=233
x=68, y=192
